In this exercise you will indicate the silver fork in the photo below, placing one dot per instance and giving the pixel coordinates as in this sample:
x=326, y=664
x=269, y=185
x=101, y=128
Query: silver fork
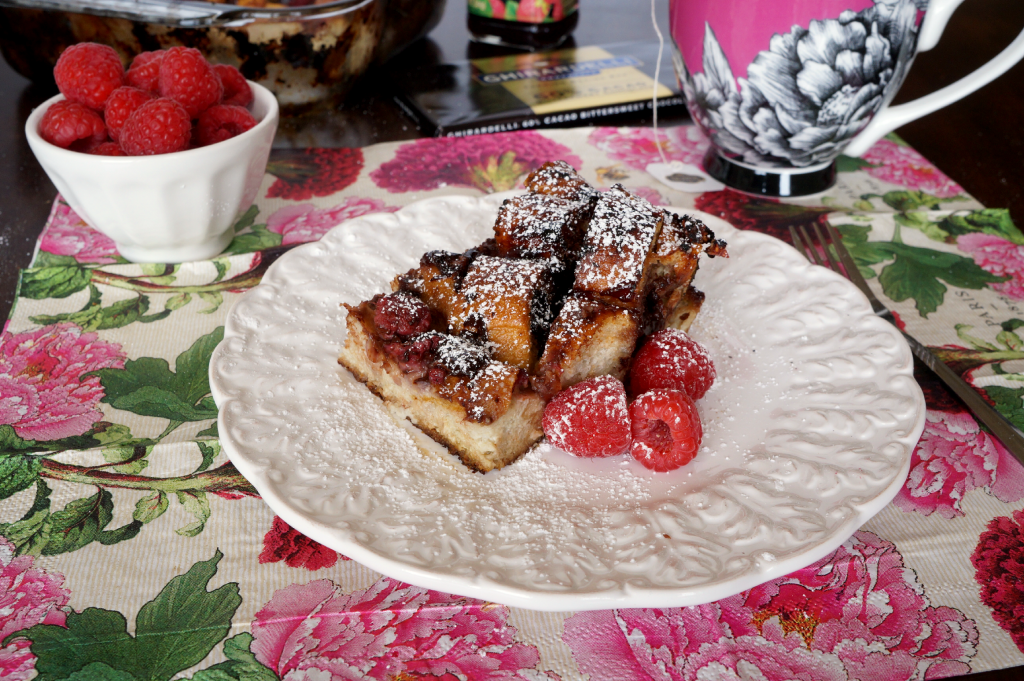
x=814, y=245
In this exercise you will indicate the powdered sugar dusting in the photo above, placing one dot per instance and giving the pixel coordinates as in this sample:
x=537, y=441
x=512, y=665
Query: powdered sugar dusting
x=544, y=227
x=808, y=431
x=616, y=245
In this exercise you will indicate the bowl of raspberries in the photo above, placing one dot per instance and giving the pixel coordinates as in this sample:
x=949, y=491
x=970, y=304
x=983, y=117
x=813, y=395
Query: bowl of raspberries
x=161, y=157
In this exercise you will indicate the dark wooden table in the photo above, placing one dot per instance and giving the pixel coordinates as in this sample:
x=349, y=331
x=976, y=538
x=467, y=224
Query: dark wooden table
x=978, y=141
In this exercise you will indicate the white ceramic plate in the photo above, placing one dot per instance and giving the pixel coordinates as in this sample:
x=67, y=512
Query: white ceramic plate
x=809, y=431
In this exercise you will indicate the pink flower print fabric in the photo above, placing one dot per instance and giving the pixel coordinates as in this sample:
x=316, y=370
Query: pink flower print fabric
x=858, y=614
x=901, y=165
x=68, y=234
x=999, y=568
x=953, y=457
x=304, y=222
x=28, y=596
x=44, y=391
x=388, y=631
x=638, y=147
x=490, y=163
x=284, y=543
x=997, y=256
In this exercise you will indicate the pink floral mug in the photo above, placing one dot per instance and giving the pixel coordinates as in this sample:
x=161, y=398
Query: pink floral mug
x=783, y=87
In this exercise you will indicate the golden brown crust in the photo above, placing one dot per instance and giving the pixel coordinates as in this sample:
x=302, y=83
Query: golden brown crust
x=509, y=299
x=588, y=338
x=558, y=178
x=613, y=264
x=542, y=227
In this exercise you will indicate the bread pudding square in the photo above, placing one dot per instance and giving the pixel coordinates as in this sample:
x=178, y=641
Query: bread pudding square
x=573, y=275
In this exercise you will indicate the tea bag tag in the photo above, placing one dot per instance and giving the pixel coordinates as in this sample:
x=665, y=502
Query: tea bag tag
x=684, y=177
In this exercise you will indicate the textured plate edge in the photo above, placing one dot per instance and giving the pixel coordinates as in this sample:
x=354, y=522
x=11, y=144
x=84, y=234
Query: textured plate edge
x=624, y=595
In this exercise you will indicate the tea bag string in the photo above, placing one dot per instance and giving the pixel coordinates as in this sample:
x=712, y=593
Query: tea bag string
x=657, y=82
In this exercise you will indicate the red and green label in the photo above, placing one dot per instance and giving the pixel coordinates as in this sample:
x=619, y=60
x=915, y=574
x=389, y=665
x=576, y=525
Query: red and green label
x=528, y=11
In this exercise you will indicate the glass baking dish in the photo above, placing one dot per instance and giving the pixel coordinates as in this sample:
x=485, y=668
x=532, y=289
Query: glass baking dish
x=305, y=52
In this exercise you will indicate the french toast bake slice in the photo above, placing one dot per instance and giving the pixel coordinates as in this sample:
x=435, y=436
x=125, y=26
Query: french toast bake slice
x=470, y=346
x=449, y=387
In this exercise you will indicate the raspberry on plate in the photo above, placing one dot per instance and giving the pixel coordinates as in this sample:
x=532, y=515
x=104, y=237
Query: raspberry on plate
x=160, y=126
x=589, y=419
x=666, y=429
x=87, y=73
x=236, y=87
x=221, y=122
x=187, y=78
x=121, y=104
x=672, y=360
x=144, y=73
x=71, y=125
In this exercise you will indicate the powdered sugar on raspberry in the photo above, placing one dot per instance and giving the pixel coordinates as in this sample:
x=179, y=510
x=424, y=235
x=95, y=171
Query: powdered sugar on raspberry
x=589, y=419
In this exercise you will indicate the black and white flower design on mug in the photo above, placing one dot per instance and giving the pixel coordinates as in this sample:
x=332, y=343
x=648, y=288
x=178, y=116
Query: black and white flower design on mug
x=808, y=94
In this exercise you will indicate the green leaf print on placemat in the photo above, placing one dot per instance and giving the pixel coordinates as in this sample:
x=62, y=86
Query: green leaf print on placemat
x=914, y=272
x=173, y=632
x=147, y=386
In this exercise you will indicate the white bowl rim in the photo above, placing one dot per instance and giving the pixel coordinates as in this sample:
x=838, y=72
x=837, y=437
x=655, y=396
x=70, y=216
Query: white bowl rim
x=258, y=91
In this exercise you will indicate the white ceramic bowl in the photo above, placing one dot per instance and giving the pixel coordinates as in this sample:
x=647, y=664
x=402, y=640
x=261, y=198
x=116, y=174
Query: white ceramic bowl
x=169, y=207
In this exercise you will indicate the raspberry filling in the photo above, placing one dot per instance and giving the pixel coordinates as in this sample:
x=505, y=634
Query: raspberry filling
x=400, y=315
x=414, y=357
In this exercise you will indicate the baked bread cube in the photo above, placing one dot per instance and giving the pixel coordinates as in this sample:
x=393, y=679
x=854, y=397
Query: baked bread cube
x=507, y=303
x=437, y=280
x=588, y=338
x=613, y=264
x=671, y=299
x=558, y=178
x=542, y=227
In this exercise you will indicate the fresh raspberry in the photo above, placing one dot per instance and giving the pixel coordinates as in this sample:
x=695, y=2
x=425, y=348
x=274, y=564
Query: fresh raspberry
x=107, y=149
x=88, y=72
x=144, y=73
x=121, y=104
x=187, y=78
x=160, y=126
x=666, y=429
x=236, y=87
x=71, y=125
x=590, y=418
x=400, y=315
x=223, y=121
x=671, y=359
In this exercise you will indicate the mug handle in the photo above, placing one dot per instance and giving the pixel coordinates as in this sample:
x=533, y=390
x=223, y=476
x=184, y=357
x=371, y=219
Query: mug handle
x=893, y=117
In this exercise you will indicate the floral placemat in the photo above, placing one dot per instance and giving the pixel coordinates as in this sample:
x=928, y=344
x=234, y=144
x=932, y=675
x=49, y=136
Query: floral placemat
x=131, y=549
